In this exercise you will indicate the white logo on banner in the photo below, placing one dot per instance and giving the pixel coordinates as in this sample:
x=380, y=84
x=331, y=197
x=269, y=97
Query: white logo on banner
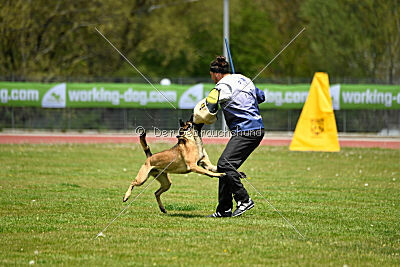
x=191, y=97
x=335, y=95
x=55, y=97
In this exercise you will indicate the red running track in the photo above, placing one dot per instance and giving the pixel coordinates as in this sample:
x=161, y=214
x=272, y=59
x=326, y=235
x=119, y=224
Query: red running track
x=87, y=139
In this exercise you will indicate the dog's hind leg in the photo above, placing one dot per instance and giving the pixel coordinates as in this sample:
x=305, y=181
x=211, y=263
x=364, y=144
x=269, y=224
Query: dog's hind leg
x=165, y=184
x=141, y=177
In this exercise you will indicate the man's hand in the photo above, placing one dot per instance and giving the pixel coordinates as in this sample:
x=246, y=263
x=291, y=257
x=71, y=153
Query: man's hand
x=260, y=95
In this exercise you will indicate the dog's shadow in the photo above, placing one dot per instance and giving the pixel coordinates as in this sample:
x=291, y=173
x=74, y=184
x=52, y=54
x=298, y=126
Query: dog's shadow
x=184, y=215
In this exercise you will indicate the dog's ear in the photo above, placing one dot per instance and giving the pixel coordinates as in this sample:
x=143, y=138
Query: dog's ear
x=191, y=118
x=181, y=123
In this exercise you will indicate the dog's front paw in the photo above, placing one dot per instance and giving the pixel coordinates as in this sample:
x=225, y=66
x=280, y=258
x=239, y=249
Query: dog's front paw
x=242, y=175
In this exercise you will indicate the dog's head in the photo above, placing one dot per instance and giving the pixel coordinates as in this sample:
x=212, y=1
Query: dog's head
x=196, y=126
x=186, y=130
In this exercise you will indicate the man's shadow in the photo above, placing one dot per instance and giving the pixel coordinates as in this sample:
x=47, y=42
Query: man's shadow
x=185, y=215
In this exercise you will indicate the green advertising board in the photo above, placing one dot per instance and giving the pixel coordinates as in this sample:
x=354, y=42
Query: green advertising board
x=86, y=95
x=125, y=95
x=344, y=96
x=119, y=95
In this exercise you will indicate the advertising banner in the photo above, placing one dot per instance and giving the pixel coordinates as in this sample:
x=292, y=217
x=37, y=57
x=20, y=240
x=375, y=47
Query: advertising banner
x=107, y=95
x=120, y=95
x=81, y=95
x=344, y=96
x=369, y=96
x=20, y=94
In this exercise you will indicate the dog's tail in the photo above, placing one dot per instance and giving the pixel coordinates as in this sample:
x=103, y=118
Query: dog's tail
x=143, y=142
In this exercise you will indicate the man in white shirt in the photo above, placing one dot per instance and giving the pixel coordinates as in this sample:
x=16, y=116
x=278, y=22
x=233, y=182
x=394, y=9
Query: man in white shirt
x=239, y=99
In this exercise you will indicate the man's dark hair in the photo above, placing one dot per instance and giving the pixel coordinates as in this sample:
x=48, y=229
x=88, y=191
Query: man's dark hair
x=219, y=65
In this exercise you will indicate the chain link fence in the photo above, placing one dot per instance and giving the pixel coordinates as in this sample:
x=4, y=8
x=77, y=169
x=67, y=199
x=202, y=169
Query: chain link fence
x=106, y=119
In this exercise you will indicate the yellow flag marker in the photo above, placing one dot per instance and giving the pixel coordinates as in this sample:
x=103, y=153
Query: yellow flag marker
x=316, y=129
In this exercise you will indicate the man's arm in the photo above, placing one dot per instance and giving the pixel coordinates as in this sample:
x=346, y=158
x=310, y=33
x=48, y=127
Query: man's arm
x=212, y=100
x=225, y=91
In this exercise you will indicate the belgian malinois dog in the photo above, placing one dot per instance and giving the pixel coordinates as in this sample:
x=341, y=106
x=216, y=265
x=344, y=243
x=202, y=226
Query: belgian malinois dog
x=188, y=155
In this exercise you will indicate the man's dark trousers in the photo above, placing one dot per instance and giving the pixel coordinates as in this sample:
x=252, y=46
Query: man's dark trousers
x=238, y=149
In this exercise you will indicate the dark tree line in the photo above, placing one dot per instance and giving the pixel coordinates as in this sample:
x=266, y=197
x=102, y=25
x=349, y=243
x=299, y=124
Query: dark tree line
x=43, y=39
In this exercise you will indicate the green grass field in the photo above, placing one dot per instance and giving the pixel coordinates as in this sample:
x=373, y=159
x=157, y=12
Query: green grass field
x=56, y=198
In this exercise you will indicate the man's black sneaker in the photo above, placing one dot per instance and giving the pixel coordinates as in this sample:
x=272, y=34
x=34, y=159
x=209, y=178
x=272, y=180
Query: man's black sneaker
x=218, y=214
x=242, y=207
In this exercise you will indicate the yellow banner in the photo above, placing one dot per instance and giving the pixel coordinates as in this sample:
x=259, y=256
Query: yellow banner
x=316, y=129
